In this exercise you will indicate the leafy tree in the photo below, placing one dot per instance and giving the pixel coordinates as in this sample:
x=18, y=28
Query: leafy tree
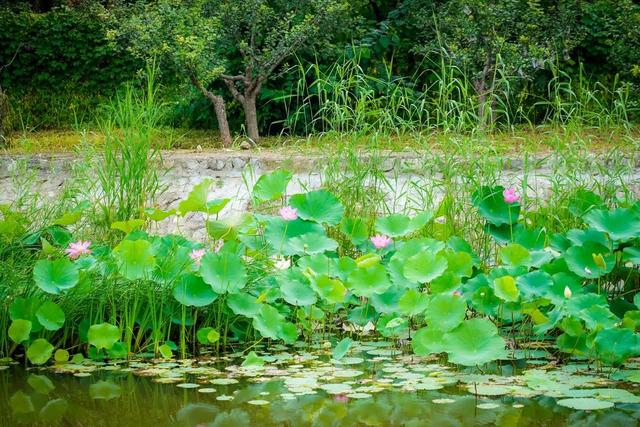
x=204, y=40
x=183, y=36
x=514, y=37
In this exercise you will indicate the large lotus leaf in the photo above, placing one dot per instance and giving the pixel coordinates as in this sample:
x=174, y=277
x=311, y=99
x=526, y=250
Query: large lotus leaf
x=332, y=291
x=445, y=312
x=272, y=186
x=425, y=266
x=535, y=284
x=224, y=271
x=135, y=259
x=428, y=340
x=598, y=317
x=191, y=290
x=230, y=228
x=492, y=207
x=474, y=342
x=319, y=264
x=103, y=335
x=364, y=282
x=392, y=326
x=579, y=237
x=355, y=229
x=591, y=260
x=19, y=330
x=268, y=322
x=458, y=244
x=459, y=264
x=621, y=224
x=398, y=225
x=615, y=345
x=279, y=233
x=446, y=283
x=39, y=352
x=413, y=302
x=515, y=255
x=387, y=302
x=171, y=264
x=342, y=348
x=532, y=239
x=128, y=226
x=312, y=243
x=295, y=288
x=243, y=304
x=505, y=288
x=25, y=309
x=485, y=301
x=50, y=315
x=319, y=206
x=55, y=276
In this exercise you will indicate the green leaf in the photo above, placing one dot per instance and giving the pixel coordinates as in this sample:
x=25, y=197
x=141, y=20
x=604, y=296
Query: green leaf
x=355, y=229
x=364, y=282
x=397, y=225
x=165, y=351
x=135, y=259
x=492, y=207
x=19, y=330
x=103, y=335
x=590, y=260
x=505, y=288
x=21, y=403
x=252, y=361
x=311, y=244
x=585, y=403
x=295, y=288
x=425, y=266
x=243, y=304
x=268, y=322
x=474, y=342
x=615, y=345
x=229, y=228
x=207, y=335
x=158, y=215
x=332, y=291
x=196, y=201
x=342, y=348
x=224, y=271
x=427, y=341
x=128, y=226
x=319, y=206
x=272, y=186
x=279, y=233
x=445, y=312
x=51, y=316
x=621, y=224
x=39, y=352
x=61, y=356
x=413, y=302
x=515, y=255
x=55, y=276
x=192, y=291
x=53, y=412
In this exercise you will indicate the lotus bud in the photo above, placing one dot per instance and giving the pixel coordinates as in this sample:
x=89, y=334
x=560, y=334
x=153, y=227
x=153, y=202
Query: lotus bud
x=599, y=261
x=567, y=292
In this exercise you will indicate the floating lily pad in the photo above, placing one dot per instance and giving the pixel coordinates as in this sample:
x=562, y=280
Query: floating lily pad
x=585, y=404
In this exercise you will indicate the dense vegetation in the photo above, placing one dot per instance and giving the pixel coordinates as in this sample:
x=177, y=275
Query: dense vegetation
x=316, y=66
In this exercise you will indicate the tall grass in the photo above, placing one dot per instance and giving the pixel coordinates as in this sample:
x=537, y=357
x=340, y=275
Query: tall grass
x=128, y=167
x=347, y=98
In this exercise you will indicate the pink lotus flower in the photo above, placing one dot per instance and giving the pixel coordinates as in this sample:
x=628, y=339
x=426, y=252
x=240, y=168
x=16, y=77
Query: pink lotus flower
x=288, y=213
x=510, y=195
x=381, y=241
x=196, y=255
x=78, y=248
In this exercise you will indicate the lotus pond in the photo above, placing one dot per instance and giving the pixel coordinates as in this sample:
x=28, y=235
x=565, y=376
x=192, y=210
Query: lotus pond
x=304, y=313
x=364, y=383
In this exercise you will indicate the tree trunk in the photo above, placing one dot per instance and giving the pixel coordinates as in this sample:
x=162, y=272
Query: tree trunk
x=3, y=116
x=251, y=117
x=221, y=112
x=221, y=116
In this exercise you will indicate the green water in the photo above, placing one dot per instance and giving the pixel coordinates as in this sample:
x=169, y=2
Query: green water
x=311, y=389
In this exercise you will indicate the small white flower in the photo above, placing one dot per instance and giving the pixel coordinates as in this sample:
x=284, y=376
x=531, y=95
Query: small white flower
x=567, y=292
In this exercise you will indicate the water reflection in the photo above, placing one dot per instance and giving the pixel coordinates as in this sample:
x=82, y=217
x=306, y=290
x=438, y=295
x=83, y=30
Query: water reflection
x=122, y=399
